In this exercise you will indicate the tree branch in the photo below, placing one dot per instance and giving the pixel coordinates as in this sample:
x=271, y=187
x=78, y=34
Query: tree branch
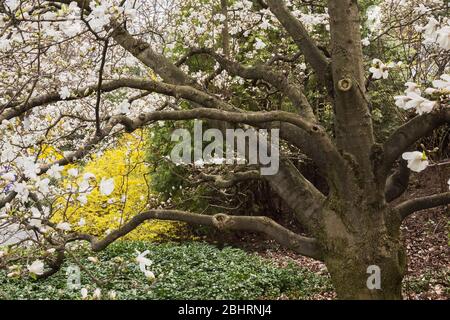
x=305, y=43
x=409, y=133
x=303, y=245
x=262, y=72
x=409, y=207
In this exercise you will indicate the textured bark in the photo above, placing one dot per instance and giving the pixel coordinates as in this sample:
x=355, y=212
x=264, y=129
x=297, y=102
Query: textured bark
x=354, y=132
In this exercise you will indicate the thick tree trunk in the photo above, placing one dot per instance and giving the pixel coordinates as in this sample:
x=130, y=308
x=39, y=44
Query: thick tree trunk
x=354, y=278
x=365, y=258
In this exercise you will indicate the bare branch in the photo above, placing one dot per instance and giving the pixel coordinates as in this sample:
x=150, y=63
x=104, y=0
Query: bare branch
x=409, y=207
x=409, y=133
x=305, y=43
x=303, y=245
x=263, y=72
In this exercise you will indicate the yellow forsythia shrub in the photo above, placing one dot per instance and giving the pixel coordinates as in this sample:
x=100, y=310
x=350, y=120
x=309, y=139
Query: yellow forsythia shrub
x=102, y=214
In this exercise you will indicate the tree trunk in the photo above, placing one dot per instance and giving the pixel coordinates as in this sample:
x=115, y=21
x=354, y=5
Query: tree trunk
x=366, y=261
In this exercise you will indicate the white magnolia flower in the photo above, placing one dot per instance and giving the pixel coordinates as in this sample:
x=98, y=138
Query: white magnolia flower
x=22, y=190
x=82, y=198
x=143, y=261
x=448, y=182
x=93, y=259
x=88, y=176
x=37, y=268
x=12, y=4
x=73, y=172
x=259, y=44
x=365, y=42
x=412, y=87
x=84, y=293
x=379, y=70
x=97, y=294
x=43, y=185
x=421, y=104
x=82, y=222
x=71, y=28
x=5, y=45
x=9, y=176
x=64, y=226
x=443, y=37
x=64, y=93
x=55, y=171
x=51, y=250
x=84, y=186
x=443, y=83
x=425, y=107
x=414, y=100
x=417, y=161
x=124, y=107
x=112, y=295
x=421, y=9
x=107, y=186
x=149, y=275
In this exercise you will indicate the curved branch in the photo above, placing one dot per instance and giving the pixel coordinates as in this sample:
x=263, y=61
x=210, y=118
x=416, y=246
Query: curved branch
x=214, y=114
x=303, y=245
x=409, y=133
x=262, y=72
x=305, y=43
x=409, y=207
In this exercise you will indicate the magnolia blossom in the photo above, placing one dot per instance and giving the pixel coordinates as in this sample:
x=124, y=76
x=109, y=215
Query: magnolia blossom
x=9, y=176
x=443, y=84
x=434, y=34
x=84, y=293
x=149, y=275
x=73, y=172
x=5, y=44
x=64, y=226
x=412, y=87
x=107, y=186
x=88, y=176
x=414, y=100
x=55, y=171
x=259, y=44
x=71, y=28
x=124, y=107
x=379, y=70
x=12, y=4
x=143, y=261
x=64, y=93
x=448, y=182
x=82, y=222
x=365, y=42
x=422, y=9
x=417, y=161
x=443, y=37
x=93, y=259
x=97, y=294
x=37, y=268
x=112, y=295
x=83, y=200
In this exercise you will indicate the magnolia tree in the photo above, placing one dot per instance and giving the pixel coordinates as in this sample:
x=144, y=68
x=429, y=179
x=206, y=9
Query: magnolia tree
x=76, y=75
